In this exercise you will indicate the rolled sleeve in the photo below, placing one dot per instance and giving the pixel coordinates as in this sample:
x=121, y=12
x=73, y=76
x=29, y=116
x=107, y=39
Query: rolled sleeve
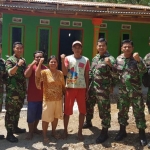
x=87, y=67
x=9, y=65
x=141, y=66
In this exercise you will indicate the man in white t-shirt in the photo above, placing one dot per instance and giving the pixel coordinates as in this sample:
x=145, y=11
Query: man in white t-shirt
x=76, y=69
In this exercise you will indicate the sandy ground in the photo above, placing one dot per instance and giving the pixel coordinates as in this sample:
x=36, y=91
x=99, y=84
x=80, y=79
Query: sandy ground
x=131, y=142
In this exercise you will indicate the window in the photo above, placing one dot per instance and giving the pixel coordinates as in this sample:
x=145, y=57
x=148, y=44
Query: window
x=64, y=23
x=103, y=34
x=126, y=27
x=17, y=20
x=124, y=35
x=16, y=35
x=77, y=24
x=103, y=25
x=43, y=41
x=44, y=21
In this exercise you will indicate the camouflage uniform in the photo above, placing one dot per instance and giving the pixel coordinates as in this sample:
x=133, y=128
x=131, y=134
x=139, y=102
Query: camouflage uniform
x=147, y=62
x=100, y=77
x=130, y=92
x=15, y=93
x=2, y=77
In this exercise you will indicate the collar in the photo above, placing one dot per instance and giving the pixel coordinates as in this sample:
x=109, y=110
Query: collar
x=17, y=57
x=105, y=55
x=123, y=57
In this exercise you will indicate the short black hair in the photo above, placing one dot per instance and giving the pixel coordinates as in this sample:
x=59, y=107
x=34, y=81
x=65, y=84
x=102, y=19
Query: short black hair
x=102, y=40
x=16, y=44
x=38, y=52
x=51, y=57
x=126, y=41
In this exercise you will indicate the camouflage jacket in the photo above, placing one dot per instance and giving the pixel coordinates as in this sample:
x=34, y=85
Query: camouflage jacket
x=147, y=60
x=17, y=82
x=2, y=71
x=100, y=74
x=128, y=72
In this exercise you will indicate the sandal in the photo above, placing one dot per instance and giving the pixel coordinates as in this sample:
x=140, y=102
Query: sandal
x=46, y=141
x=65, y=135
x=56, y=136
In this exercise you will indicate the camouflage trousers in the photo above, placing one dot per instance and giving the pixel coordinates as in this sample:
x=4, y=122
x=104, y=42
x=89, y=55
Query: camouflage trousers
x=13, y=107
x=103, y=102
x=124, y=102
x=148, y=98
x=1, y=93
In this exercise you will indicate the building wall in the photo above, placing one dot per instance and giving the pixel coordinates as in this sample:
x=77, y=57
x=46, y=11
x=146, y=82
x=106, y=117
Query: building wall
x=0, y=31
x=139, y=33
x=31, y=23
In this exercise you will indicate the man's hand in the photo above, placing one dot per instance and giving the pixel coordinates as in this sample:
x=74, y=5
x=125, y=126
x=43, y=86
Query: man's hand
x=34, y=62
x=20, y=62
x=107, y=61
x=136, y=57
x=41, y=61
x=62, y=56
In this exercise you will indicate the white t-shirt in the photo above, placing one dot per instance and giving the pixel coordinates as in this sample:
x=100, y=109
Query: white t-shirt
x=76, y=71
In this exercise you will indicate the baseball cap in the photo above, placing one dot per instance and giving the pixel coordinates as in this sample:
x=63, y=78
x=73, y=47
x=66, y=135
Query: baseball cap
x=76, y=42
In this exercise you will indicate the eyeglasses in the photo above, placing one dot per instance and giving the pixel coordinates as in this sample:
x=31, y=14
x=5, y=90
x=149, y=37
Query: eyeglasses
x=52, y=56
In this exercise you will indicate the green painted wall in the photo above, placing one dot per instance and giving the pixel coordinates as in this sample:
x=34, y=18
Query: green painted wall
x=30, y=25
x=139, y=34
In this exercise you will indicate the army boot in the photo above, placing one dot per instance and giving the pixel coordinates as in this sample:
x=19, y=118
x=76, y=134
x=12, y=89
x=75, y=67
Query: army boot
x=11, y=138
x=103, y=136
x=17, y=129
x=121, y=134
x=142, y=136
x=1, y=137
x=87, y=124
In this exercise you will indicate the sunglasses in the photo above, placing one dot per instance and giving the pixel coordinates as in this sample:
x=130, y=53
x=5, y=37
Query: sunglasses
x=52, y=56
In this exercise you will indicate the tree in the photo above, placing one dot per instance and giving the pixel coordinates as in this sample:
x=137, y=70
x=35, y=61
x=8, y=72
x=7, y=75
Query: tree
x=141, y=2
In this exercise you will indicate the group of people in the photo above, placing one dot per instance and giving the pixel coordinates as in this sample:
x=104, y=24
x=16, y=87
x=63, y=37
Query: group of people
x=88, y=85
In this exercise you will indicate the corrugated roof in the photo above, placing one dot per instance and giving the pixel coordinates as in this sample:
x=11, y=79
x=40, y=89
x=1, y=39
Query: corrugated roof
x=84, y=3
x=72, y=9
x=87, y=9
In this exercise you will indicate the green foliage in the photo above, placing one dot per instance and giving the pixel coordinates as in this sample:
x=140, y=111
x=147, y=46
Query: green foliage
x=141, y=2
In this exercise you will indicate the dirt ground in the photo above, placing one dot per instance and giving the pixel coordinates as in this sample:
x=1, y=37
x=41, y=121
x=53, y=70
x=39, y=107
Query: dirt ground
x=131, y=142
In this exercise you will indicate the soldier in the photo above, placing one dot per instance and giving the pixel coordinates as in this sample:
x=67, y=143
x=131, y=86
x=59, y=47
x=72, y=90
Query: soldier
x=100, y=83
x=2, y=76
x=128, y=68
x=147, y=62
x=15, y=91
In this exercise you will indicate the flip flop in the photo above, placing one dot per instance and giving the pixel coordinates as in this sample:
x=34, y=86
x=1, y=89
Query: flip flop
x=56, y=136
x=46, y=141
x=65, y=136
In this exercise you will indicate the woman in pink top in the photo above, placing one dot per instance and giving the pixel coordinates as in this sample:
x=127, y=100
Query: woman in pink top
x=53, y=90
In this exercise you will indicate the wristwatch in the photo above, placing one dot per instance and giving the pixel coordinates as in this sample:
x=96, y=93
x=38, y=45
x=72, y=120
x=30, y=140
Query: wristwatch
x=17, y=65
